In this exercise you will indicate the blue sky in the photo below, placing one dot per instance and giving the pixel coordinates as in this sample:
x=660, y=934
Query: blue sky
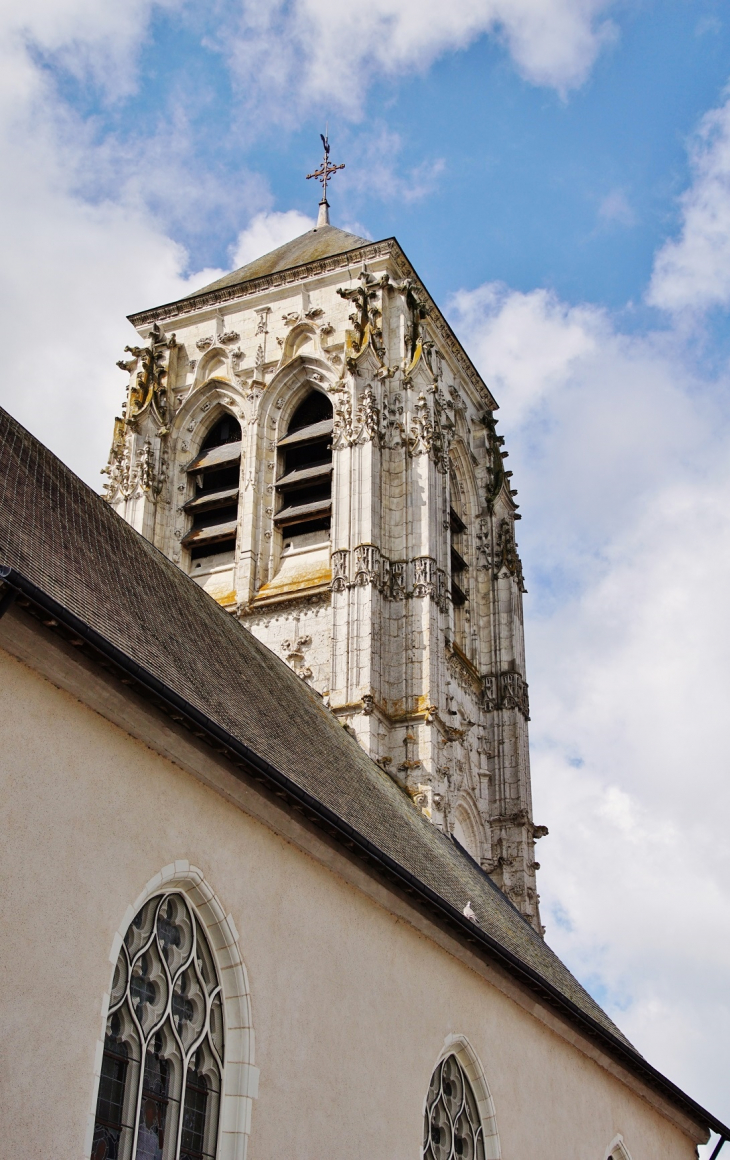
x=520, y=183
x=558, y=171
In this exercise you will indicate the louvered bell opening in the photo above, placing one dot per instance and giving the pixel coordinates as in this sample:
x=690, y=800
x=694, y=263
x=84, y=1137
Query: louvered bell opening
x=458, y=564
x=214, y=507
x=304, y=485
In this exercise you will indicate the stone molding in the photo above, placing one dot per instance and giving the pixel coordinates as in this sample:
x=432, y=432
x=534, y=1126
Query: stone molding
x=240, y=1077
x=506, y=691
x=388, y=248
x=394, y=579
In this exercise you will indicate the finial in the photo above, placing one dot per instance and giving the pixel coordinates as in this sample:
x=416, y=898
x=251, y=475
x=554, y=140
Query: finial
x=324, y=173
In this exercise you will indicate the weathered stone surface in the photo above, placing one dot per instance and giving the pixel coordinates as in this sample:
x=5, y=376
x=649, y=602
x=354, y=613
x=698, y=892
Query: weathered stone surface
x=407, y=618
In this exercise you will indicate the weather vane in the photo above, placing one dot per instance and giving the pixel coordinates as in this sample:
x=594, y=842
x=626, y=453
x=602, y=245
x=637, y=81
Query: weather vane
x=324, y=173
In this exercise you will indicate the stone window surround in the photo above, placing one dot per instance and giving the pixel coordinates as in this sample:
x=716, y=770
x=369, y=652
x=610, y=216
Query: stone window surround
x=617, y=1150
x=460, y=1046
x=239, y=1084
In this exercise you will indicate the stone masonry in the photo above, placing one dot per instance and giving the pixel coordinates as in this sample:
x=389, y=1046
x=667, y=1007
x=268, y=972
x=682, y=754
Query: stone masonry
x=407, y=617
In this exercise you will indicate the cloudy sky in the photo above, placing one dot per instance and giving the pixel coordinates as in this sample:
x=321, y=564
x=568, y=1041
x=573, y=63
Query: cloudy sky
x=559, y=173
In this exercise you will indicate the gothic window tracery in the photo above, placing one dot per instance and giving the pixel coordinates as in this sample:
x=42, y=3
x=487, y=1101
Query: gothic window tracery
x=216, y=471
x=304, y=484
x=162, y=1067
x=452, y=1128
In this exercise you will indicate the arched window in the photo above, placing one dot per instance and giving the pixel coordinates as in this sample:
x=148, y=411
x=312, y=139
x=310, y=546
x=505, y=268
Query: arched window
x=304, y=485
x=452, y=1128
x=216, y=471
x=459, y=566
x=617, y=1150
x=161, y=1072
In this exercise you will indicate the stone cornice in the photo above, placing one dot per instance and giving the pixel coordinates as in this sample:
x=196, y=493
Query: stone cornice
x=388, y=248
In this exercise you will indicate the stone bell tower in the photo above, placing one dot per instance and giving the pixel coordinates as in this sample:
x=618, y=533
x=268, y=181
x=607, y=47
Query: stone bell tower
x=307, y=438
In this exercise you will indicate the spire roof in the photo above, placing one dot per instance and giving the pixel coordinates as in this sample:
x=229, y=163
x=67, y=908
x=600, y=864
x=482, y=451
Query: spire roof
x=321, y=242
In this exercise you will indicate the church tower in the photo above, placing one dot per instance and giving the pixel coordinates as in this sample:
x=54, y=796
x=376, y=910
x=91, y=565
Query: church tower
x=307, y=439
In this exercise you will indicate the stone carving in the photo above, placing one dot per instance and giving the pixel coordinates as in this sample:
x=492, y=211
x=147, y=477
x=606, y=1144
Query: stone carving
x=367, y=565
x=421, y=436
x=129, y=472
x=443, y=432
x=294, y=655
x=463, y=674
x=146, y=466
x=369, y=253
x=398, y=579
x=495, y=461
x=505, y=556
x=417, y=313
x=339, y=570
x=392, y=428
x=204, y=343
x=411, y=658
x=422, y=798
x=342, y=423
x=506, y=690
x=432, y=431
x=291, y=319
x=366, y=316
x=367, y=418
x=483, y=544
x=229, y=336
x=424, y=576
x=148, y=390
x=431, y=357
x=441, y=589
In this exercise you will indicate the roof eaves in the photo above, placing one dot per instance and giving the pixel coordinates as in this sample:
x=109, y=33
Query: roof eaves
x=277, y=278
x=386, y=248
x=62, y=621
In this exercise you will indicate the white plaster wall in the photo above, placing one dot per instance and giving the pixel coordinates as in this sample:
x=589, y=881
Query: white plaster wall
x=351, y=1006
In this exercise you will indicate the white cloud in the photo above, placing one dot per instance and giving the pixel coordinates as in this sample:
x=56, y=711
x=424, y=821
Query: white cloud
x=376, y=169
x=692, y=272
x=267, y=231
x=621, y=454
x=615, y=207
x=72, y=269
x=619, y=449
x=88, y=38
x=325, y=51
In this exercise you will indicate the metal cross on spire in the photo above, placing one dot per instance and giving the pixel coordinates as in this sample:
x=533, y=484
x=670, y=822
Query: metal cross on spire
x=324, y=173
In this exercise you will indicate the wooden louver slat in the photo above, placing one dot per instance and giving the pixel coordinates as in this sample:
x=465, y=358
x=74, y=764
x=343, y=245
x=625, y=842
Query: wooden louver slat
x=307, y=434
x=292, y=515
x=216, y=456
x=210, y=534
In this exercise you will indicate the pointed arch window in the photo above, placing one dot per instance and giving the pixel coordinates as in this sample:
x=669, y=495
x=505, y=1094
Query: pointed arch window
x=162, y=1067
x=304, y=485
x=216, y=472
x=452, y=1128
x=459, y=565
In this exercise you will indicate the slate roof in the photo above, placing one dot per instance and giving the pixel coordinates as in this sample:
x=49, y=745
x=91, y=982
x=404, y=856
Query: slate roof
x=62, y=541
x=310, y=247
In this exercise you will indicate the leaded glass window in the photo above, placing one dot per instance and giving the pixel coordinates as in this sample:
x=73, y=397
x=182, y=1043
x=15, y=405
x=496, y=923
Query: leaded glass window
x=452, y=1127
x=161, y=1072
